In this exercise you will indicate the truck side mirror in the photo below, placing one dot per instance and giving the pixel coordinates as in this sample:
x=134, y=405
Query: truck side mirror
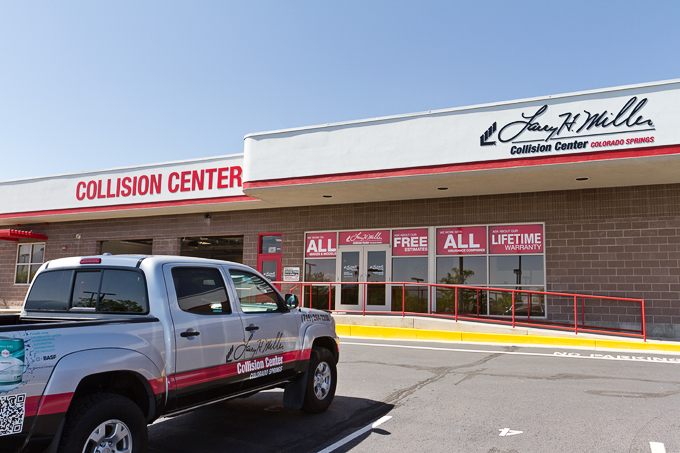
x=292, y=301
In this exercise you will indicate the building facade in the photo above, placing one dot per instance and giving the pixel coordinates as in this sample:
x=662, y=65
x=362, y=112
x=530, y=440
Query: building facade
x=573, y=193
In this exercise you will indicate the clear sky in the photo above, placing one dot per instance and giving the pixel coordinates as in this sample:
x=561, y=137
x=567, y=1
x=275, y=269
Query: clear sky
x=93, y=84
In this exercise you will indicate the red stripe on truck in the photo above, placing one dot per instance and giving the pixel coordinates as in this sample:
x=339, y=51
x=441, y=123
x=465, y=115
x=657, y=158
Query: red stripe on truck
x=204, y=375
x=55, y=404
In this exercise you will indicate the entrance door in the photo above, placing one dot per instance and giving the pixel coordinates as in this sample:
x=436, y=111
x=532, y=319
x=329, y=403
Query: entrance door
x=363, y=263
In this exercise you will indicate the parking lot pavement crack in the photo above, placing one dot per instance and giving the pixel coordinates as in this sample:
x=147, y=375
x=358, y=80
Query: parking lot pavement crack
x=638, y=437
x=397, y=396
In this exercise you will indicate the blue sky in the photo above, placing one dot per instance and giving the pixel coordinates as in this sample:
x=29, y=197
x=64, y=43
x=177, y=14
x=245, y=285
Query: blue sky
x=89, y=85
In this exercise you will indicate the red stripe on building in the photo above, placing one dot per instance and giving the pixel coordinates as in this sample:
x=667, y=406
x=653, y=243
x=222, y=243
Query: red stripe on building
x=471, y=166
x=125, y=207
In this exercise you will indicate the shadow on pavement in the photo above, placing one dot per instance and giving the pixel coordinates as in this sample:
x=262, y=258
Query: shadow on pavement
x=261, y=424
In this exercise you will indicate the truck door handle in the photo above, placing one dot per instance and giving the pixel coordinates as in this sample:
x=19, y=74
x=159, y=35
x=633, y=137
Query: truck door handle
x=252, y=328
x=189, y=333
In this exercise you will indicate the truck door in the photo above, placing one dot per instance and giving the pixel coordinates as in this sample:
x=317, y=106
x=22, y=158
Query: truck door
x=206, y=328
x=270, y=352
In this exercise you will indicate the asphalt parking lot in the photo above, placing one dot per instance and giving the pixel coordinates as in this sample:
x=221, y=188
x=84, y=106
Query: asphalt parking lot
x=436, y=396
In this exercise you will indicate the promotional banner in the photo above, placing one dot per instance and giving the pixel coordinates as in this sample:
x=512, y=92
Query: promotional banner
x=515, y=239
x=321, y=245
x=364, y=237
x=409, y=242
x=461, y=240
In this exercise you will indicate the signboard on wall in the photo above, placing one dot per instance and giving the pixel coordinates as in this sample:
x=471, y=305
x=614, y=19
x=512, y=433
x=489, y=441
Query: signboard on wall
x=614, y=119
x=321, y=245
x=291, y=274
x=410, y=242
x=365, y=237
x=516, y=239
x=461, y=240
x=159, y=185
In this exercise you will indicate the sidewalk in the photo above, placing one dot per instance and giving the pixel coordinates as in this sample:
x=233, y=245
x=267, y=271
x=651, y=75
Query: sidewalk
x=432, y=329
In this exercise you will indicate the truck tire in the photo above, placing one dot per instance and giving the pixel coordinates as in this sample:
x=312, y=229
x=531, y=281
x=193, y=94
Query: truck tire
x=321, y=381
x=104, y=422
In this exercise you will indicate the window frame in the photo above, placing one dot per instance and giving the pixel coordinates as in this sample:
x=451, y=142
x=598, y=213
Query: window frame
x=88, y=310
x=282, y=308
x=224, y=282
x=29, y=263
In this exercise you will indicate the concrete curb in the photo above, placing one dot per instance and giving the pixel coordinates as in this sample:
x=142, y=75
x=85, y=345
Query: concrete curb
x=399, y=333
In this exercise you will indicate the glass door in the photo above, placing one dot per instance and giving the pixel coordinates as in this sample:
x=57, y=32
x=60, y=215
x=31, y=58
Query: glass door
x=359, y=264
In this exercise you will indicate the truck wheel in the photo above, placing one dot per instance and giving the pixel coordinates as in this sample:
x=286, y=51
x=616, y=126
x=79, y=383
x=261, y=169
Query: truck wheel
x=104, y=423
x=321, y=381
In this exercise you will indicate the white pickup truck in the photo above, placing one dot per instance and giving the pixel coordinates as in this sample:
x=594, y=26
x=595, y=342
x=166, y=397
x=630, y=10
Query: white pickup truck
x=105, y=345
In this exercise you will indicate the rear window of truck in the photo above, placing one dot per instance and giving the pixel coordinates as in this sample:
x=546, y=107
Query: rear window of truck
x=98, y=290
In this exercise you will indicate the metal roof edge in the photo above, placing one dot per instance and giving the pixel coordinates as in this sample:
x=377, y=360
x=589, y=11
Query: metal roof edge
x=464, y=108
x=132, y=167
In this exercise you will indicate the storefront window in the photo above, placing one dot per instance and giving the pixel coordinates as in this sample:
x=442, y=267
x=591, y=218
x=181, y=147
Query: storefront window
x=519, y=272
x=29, y=259
x=414, y=270
x=128, y=247
x=462, y=270
x=270, y=244
x=320, y=270
x=226, y=248
x=516, y=270
x=500, y=302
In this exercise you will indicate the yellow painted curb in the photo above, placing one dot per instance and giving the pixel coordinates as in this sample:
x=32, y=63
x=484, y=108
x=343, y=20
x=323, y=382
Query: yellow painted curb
x=438, y=335
x=478, y=337
x=383, y=332
x=343, y=330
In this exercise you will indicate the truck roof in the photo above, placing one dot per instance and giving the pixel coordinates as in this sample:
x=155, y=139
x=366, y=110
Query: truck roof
x=128, y=261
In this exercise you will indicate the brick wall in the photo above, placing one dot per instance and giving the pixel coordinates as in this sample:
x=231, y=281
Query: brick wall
x=621, y=242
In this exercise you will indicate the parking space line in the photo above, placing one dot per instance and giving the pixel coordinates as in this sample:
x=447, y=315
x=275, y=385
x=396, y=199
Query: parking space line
x=356, y=434
x=657, y=447
x=568, y=355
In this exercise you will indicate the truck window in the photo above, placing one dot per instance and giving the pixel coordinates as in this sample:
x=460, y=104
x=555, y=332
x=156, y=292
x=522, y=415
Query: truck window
x=85, y=290
x=123, y=292
x=254, y=293
x=201, y=290
x=50, y=291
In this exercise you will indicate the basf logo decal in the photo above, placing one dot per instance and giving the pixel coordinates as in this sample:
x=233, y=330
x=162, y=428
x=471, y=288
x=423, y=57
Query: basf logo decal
x=574, y=130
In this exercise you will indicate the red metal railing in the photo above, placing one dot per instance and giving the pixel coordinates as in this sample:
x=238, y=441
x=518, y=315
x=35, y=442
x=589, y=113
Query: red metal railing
x=560, y=318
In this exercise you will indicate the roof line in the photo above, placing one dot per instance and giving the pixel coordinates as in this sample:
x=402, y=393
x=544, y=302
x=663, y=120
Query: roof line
x=132, y=167
x=462, y=109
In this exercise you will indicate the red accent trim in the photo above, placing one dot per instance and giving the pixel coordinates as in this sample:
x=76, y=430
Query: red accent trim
x=157, y=385
x=91, y=261
x=124, y=207
x=15, y=235
x=31, y=405
x=195, y=377
x=471, y=166
x=262, y=257
x=55, y=404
